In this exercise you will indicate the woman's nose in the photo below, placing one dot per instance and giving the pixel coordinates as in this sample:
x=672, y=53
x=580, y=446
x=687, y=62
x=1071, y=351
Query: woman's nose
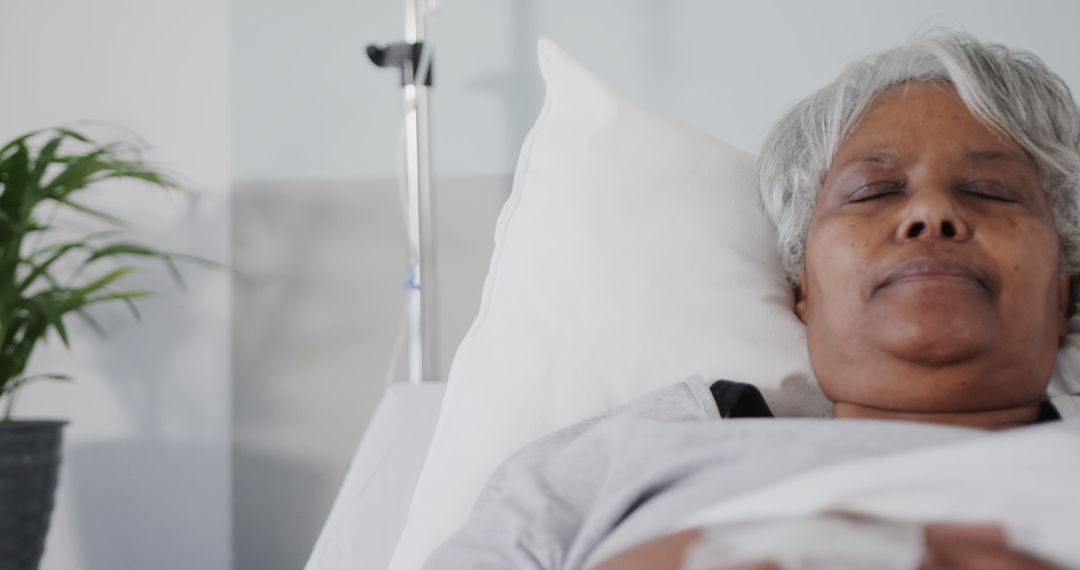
x=931, y=214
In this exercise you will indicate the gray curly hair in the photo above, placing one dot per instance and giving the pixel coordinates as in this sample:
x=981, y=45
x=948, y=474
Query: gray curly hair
x=1012, y=91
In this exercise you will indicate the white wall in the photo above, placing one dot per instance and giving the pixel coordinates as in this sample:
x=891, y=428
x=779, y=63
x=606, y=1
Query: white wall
x=315, y=321
x=728, y=67
x=315, y=127
x=145, y=475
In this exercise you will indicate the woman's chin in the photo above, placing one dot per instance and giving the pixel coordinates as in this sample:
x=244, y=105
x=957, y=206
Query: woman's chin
x=935, y=339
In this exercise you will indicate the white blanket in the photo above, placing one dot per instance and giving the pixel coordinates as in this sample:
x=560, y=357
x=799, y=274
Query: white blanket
x=1025, y=480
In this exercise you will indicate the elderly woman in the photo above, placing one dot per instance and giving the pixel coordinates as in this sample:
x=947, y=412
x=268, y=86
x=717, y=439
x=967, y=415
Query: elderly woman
x=928, y=218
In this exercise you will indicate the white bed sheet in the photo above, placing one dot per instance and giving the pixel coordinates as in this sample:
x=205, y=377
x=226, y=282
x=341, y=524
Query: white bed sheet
x=371, y=507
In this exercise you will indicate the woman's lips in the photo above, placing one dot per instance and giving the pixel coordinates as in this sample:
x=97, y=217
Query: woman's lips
x=933, y=269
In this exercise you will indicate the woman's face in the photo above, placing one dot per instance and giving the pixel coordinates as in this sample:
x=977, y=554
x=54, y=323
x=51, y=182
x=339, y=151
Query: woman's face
x=932, y=280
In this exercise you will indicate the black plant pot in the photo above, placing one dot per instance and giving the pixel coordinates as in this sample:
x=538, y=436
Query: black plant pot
x=29, y=467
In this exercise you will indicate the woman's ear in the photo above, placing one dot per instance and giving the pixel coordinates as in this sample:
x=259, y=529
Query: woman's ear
x=1067, y=293
x=800, y=298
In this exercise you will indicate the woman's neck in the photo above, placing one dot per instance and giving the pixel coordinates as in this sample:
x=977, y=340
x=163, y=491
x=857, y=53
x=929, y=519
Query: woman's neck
x=988, y=419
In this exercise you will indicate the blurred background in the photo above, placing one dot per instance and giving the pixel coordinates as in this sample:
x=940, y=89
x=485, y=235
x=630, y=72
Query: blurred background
x=215, y=433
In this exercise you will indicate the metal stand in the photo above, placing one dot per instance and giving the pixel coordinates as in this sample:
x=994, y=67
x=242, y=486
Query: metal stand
x=423, y=358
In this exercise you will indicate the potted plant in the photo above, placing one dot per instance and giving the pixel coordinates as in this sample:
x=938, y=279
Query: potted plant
x=46, y=278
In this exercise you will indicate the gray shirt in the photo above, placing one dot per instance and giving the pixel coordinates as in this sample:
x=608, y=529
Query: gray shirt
x=585, y=493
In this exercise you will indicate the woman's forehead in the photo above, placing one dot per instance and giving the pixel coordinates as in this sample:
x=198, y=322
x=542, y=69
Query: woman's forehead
x=912, y=118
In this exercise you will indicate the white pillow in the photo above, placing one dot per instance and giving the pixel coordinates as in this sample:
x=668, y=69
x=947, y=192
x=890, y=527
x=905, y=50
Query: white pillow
x=630, y=255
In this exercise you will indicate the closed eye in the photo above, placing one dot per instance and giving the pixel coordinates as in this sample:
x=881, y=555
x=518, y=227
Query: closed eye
x=988, y=190
x=876, y=190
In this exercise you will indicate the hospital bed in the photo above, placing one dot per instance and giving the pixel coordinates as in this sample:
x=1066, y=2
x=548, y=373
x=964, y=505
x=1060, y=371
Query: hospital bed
x=660, y=266
x=369, y=512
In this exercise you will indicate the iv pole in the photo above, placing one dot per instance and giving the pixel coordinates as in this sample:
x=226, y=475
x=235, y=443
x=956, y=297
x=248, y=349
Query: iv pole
x=415, y=66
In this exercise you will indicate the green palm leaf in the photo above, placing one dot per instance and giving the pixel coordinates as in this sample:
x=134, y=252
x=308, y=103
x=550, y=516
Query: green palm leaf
x=40, y=288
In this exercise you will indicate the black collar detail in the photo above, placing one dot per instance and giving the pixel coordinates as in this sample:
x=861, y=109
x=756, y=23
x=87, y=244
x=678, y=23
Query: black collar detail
x=739, y=400
x=1047, y=413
